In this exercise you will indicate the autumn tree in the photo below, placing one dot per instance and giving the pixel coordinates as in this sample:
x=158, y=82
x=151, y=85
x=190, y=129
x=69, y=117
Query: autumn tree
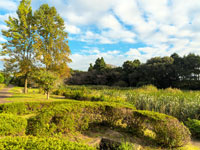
x=51, y=45
x=20, y=38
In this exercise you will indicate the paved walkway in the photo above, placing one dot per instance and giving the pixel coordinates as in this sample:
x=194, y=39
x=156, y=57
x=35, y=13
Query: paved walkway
x=5, y=94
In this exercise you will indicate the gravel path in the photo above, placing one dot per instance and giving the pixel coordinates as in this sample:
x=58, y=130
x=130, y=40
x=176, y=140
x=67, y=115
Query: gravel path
x=5, y=94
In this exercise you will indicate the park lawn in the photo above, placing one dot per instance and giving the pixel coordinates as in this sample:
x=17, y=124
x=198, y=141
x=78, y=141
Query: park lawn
x=33, y=95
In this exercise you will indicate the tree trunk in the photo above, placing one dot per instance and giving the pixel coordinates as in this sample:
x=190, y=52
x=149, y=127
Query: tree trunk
x=25, y=85
x=47, y=95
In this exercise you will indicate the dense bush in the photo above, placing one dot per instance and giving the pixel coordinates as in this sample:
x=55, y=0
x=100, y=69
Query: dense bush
x=22, y=108
x=34, y=143
x=169, y=131
x=12, y=125
x=194, y=126
x=78, y=117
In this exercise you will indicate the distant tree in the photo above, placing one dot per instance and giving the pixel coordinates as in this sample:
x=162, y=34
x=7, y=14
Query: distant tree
x=90, y=68
x=51, y=43
x=129, y=66
x=100, y=64
x=19, y=45
x=46, y=80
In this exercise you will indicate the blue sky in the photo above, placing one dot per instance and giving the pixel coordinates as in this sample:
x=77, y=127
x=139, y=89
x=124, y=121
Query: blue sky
x=121, y=30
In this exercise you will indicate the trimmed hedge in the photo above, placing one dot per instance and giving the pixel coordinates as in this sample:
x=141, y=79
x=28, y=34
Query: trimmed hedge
x=35, y=143
x=72, y=117
x=24, y=108
x=12, y=125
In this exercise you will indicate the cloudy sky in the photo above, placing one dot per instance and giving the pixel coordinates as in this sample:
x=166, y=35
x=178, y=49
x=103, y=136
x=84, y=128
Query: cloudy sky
x=121, y=30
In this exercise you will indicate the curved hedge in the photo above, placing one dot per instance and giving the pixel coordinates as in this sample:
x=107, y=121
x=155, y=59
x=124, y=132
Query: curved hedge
x=78, y=117
x=35, y=143
x=12, y=125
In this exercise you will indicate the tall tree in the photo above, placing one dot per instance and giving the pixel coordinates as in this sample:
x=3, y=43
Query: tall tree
x=19, y=45
x=51, y=44
x=100, y=64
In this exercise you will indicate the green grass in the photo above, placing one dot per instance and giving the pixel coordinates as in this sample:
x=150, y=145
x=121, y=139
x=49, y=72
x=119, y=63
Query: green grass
x=174, y=102
x=32, y=96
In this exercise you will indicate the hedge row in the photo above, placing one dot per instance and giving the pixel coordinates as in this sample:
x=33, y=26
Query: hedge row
x=78, y=117
x=12, y=125
x=23, y=108
x=35, y=143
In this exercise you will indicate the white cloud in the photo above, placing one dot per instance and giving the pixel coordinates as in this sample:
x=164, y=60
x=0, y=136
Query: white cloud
x=8, y=5
x=72, y=29
x=164, y=26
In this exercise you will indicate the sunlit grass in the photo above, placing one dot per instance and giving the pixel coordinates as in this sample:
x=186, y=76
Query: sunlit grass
x=32, y=96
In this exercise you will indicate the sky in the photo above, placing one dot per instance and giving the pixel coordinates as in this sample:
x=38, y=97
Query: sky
x=120, y=30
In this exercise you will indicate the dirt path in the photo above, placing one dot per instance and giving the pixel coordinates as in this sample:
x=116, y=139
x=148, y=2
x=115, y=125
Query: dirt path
x=5, y=94
x=195, y=142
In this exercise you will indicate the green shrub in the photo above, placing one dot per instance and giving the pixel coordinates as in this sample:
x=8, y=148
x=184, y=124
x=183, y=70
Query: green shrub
x=35, y=143
x=23, y=108
x=1, y=78
x=12, y=125
x=194, y=126
x=127, y=146
x=78, y=117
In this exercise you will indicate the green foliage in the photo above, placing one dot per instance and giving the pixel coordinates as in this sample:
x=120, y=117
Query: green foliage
x=163, y=72
x=127, y=146
x=69, y=118
x=12, y=125
x=194, y=126
x=51, y=43
x=1, y=78
x=19, y=48
x=46, y=80
x=36, y=143
x=174, y=102
x=100, y=64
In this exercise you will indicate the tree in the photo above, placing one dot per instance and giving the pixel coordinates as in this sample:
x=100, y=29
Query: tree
x=100, y=64
x=51, y=44
x=46, y=80
x=19, y=46
x=90, y=68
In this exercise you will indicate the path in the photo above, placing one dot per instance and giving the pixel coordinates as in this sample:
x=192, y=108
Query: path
x=195, y=143
x=5, y=94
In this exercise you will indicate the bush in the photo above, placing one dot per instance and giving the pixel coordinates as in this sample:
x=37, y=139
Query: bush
x=12, y=125
x=168, y=130
x=1, y=78
x=194, y=126
x=35, y=143
x=78, y=117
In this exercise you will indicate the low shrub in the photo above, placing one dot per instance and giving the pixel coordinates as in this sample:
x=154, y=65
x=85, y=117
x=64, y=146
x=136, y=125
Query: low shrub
x=35, y=143
x=12, y=125
x=66, y=118
x=23, y=108
x=169, y=132
x=194, y=126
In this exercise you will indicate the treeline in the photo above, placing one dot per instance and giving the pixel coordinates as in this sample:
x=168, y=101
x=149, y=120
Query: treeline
x=174, y=71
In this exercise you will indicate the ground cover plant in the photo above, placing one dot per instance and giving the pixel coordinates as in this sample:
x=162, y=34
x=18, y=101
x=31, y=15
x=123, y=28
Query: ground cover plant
x=174, y=102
